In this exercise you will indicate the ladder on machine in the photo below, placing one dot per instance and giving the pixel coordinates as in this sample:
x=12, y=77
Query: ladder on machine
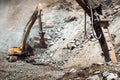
x=101, y=28
x=108, y=38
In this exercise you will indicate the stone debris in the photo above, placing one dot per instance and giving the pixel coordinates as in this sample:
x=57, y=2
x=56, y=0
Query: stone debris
x=97, y=72
x=112, y=76
x=77, y=43
x=105, y=74
x=56, y=74
x=119, y=55
x=11, y=58
x=49, y=24
x=70, y=18
x=98, y=75
x=73, y=70
x=71, y=46
x=95, y=77
x=30, y=59
x=78, y=78
x=48, y=37
x=63, y=28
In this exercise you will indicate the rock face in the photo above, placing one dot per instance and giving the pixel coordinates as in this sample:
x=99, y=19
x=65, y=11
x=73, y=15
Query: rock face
x=63, y=23
x=95, y=77
x=64, y=26
x=115, y=29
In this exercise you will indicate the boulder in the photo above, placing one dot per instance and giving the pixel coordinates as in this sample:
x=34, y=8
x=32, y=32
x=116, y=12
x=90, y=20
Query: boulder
x=95, y=77
x=49, y=24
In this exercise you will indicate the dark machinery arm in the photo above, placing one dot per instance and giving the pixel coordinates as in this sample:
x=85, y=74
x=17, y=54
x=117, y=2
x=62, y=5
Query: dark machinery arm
x=85, y=7
x=96, y=25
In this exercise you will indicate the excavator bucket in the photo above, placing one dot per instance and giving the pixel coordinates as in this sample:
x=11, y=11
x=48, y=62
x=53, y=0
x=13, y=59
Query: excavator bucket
x=37, y=42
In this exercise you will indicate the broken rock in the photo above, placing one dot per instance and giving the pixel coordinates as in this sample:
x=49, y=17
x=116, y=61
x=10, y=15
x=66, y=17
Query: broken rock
x=49, y=24
x=11, y=58
x=30, y=59
x=48, y=37
x=70, y=18
x=97, y=72
x=112, y=76
x=95, y=77
x=105, y=74
x=71, y=46
x=56, y=74
x=72, y=70
x=77, y=43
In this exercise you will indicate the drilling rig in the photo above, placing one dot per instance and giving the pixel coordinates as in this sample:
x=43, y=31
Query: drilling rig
x=93, y=9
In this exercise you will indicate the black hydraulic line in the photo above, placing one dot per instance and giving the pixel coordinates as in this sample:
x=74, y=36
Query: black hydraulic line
x=85, y=28
x=84, y=6
x=102, y=41
x=98, y=30
x=40, y=20
x=92, y=21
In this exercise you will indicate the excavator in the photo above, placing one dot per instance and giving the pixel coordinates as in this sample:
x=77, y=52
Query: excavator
x=92, y=8
x=25, y=50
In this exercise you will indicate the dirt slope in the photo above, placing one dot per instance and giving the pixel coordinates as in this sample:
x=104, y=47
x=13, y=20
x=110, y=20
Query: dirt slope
x=65, y=33
x=17, y=13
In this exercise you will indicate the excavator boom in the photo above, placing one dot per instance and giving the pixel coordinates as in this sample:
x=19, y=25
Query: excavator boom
x=28, y=28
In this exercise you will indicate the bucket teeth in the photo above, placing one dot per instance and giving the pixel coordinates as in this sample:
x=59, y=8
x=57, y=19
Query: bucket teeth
x=37, y=42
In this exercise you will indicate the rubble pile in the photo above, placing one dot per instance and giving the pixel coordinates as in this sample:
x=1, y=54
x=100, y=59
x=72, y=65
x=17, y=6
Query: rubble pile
x=69, y=56
x=93, y=72
x=65, y=34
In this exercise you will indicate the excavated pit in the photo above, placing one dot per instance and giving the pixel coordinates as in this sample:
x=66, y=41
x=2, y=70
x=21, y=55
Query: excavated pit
x=67, y=30
x=63, y=23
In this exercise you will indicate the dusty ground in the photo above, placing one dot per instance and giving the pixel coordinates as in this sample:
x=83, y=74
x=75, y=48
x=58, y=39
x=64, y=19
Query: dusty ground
x=25, y=71
x=64, y=63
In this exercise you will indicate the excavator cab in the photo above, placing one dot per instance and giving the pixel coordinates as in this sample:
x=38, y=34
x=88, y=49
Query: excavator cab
x=25, y=50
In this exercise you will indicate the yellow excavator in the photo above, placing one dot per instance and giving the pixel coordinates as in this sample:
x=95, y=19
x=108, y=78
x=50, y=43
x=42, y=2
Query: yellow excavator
x=25, y=49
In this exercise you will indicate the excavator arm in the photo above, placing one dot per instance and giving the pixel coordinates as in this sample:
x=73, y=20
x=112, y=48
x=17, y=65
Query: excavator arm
x=28, y=28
